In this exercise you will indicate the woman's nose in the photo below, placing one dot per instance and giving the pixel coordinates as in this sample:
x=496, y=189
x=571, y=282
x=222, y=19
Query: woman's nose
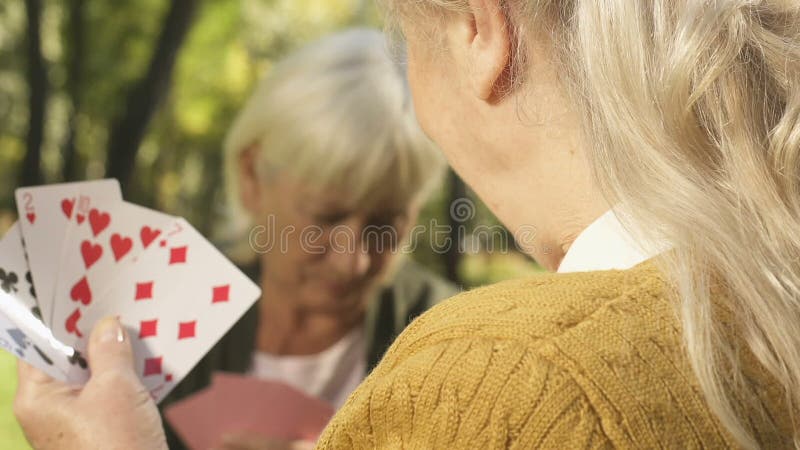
x=351, y=262
x=349, y=253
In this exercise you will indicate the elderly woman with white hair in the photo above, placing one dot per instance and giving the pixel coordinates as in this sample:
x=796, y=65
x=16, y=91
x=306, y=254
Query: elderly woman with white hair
x=654, y=145
x=326, y=170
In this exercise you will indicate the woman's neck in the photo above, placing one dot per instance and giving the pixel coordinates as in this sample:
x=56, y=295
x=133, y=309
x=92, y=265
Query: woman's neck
x=284, y=328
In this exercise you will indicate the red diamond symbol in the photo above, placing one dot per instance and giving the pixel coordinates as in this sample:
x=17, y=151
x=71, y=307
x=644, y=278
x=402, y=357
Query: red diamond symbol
x=168, y=377
x=221, y=293
x=177, y=255
x=186, y=330
x=152, y=366
x=148, y=328
x=144, y=290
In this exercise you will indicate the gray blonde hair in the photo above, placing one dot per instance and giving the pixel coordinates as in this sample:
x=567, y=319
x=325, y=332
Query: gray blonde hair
x=337, y=113
x=693, y=111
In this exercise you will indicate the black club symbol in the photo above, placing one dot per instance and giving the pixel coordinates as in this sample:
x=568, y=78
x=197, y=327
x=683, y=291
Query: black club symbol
x=29, y=279
x=78, y=359
x=8, y=281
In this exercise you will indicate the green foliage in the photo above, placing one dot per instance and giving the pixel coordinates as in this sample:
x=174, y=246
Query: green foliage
x=231, y=46
x=11, y=435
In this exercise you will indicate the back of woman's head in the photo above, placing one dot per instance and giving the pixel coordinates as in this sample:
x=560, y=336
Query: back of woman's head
x=692, y=109
x=336, y=115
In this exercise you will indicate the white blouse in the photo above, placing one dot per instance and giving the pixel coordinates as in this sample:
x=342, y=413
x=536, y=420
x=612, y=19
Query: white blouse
x=330, y=375
x=606, y=245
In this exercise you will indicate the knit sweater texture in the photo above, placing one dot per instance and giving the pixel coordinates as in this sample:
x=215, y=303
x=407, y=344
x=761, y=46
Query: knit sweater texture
x=563, y=361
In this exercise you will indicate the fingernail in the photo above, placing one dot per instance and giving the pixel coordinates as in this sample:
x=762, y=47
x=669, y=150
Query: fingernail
x=110, y=330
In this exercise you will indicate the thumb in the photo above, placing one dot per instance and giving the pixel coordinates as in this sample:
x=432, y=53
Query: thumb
x=109, y=348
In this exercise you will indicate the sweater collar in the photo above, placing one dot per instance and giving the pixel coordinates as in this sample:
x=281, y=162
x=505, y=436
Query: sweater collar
x=605, y=245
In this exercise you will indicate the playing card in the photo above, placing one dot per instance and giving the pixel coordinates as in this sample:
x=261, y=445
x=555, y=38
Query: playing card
x=15, y=278
x=177, y=300
x=198, y=420
x=275, y=409
x=22, y=332
x=44, y=213
x=96, y=252
x=15, y=341
x=28, y=339
x=240, y=404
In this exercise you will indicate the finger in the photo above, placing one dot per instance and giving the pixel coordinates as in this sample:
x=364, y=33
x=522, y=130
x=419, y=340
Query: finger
x=29, y=382
x=247, y=441
x=35, y=388
x=302, y=445
x=33, y=383
x=110, y=348
x=29, y=377
x=230, y=441
x=226, y=442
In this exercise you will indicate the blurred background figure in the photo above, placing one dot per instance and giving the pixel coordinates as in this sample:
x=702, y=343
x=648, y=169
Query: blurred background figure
x=146, y=91
x=326, y=170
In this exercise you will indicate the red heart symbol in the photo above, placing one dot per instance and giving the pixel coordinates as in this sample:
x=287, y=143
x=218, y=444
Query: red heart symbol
x=148, y=235
x=66, y=207
x=120, y=245
x=80, y=218
x=91, y=253
x=99, y=221
x=31, y=218
x=81, y=292
x=72, y=323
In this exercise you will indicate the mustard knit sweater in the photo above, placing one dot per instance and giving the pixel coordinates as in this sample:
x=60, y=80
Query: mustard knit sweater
x=565, y=361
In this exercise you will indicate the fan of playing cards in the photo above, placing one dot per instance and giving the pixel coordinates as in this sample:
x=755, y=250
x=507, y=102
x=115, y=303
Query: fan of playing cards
x=80, y=253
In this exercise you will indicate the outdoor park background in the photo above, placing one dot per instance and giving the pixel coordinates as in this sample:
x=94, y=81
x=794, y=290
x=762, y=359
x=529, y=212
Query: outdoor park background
x=144, y=90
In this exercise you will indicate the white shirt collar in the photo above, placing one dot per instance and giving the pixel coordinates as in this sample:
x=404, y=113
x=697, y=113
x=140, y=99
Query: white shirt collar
x=605, y=245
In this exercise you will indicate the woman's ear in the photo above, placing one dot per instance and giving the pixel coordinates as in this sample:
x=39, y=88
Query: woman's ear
x=488, y=51
x=250, y=186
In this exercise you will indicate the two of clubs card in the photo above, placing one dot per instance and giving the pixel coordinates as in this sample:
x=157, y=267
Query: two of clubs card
x=80, y=253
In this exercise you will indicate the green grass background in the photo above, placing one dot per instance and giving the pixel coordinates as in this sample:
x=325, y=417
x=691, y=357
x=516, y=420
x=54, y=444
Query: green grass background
x=11, y=437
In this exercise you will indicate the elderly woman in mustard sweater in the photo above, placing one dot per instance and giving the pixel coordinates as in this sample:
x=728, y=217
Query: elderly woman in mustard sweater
x=654, y=146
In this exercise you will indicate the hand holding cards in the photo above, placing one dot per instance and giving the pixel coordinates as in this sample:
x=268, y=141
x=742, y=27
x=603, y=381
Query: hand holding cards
x=92, y=255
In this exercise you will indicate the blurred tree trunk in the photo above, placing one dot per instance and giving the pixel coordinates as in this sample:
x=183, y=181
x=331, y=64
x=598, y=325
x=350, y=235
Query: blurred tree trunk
x=76, y=53
x=31, y=172
x=213, y=180
x=457, y=191
x=143, y=99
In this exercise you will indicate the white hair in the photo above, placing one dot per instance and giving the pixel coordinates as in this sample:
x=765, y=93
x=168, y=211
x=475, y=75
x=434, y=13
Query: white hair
x=335, y=114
